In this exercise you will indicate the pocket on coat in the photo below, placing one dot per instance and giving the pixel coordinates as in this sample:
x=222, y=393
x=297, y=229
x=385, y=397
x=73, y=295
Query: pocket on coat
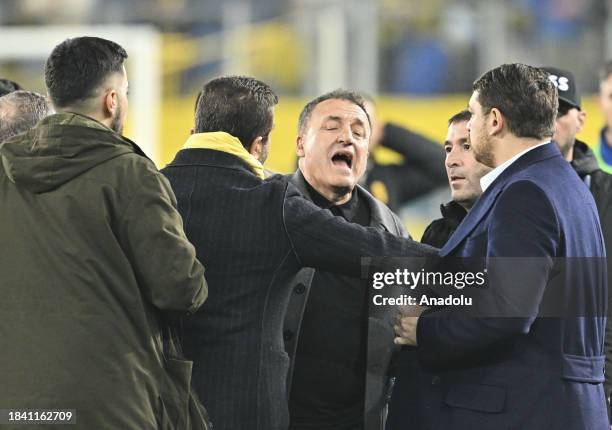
x=490, y=399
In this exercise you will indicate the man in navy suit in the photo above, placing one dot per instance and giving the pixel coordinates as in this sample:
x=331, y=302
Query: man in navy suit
x=529, y=353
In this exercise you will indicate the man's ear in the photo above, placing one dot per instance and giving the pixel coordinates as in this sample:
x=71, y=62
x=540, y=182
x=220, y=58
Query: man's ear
x=495, y=121
x=192, y=130
x=299, y=146
x=257, y=147
x=581, y=120
x=111, y=102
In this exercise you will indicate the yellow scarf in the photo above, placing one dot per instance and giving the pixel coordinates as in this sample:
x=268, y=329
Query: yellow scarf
x=225, y=142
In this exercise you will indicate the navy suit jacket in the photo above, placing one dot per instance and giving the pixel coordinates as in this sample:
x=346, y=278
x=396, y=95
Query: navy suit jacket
x=522, y=370
x=253, y=236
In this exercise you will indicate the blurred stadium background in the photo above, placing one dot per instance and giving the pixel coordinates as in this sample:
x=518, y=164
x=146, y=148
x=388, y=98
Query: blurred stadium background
x=416, y=58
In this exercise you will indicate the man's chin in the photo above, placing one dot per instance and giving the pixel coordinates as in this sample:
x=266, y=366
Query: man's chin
x=340, y=179
x=485, y=158
x=342, y=187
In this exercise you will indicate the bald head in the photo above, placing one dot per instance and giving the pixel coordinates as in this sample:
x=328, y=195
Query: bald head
x=20, y=111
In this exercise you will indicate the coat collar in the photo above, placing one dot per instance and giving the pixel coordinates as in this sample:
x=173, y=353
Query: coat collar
x=486, y=201
x=225, y=142
x=212, y=158
x=380, y=215
x=453, y=212
x=584, y=161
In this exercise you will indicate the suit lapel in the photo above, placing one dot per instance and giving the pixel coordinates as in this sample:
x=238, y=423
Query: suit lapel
x=378, y=218
x=472, y=219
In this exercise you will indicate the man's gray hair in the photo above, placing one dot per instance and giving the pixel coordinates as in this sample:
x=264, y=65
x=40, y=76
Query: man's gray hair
x=20, y=111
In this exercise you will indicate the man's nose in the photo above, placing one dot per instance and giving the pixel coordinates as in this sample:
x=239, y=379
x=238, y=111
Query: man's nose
x=452, y=158
x=345, y=136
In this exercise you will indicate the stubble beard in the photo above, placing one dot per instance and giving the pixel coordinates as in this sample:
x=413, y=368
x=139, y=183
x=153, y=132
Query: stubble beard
x=483, y=152
x=116, y=123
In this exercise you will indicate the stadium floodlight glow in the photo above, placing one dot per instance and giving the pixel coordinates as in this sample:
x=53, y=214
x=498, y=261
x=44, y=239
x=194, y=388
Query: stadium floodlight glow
x=143, y=45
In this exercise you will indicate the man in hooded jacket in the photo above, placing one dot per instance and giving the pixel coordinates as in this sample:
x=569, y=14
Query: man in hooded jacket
x=92, y=256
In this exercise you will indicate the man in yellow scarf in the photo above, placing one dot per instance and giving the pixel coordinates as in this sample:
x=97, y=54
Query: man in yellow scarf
x=253, y=236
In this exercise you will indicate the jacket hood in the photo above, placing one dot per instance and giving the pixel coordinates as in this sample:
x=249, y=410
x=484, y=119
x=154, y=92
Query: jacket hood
x=584, y=162
x=60, y=148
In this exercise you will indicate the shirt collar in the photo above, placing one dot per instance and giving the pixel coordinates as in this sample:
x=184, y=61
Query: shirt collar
x=347, y=209
x=489, y=178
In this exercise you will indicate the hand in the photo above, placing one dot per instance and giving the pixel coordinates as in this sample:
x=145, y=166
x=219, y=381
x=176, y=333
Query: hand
x=406, y=325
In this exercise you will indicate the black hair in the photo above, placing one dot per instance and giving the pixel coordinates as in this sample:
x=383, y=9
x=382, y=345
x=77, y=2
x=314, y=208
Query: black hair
x=238, y=105
x=77, y=67
x=524, y=94
x=8, y=86
x=464, y=115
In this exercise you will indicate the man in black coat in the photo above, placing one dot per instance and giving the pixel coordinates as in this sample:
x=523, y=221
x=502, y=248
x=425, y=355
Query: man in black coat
x=254, y=236
x=570, y=121
x=339, y=342
x=464, y=173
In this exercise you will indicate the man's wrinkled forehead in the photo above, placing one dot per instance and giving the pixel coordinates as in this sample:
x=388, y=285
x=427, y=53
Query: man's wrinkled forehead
x=340, y=110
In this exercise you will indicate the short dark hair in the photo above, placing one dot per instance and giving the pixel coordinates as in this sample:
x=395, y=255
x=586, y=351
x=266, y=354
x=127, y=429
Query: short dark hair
x=20, y=111
x=605, y=70
x=238, y=105
x=338, y=94
x=525, y=96
x=77, y=67
x=464, y=115
x=8, y=86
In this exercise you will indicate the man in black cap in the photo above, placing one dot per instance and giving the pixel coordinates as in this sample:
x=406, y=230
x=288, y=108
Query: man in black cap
x=570, y=121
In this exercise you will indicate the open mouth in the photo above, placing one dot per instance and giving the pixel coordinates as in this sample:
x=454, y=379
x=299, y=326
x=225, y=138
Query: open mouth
x=343, y=157
x=456, y=178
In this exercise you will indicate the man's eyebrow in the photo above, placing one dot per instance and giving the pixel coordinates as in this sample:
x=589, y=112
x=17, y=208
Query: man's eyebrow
x=358, y=121
x=449, y=143
x=333, y=118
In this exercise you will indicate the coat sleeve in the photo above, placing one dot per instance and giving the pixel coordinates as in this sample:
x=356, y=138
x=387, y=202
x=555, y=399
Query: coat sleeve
x=523, y=227
x=419, y=152
x=163, y=260
x=323, y=241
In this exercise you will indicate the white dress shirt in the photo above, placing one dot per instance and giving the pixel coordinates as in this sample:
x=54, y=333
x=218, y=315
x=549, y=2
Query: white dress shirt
x=488, y=179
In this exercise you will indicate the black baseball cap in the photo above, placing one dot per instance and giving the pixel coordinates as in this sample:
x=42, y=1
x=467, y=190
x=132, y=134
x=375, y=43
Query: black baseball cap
x=566, y=86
